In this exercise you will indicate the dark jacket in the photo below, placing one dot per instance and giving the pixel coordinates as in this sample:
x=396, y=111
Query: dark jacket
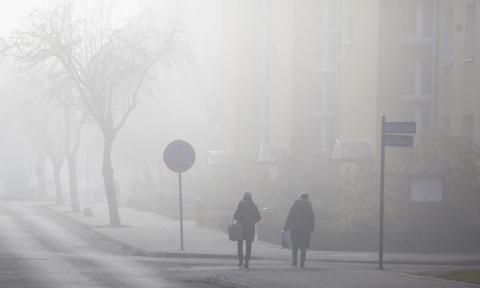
x=300, y=222
x=247, y=215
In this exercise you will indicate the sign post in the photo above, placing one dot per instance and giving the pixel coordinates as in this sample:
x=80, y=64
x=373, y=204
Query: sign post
x=180, y=205
x=382, y=193
x=393, y=136
x=179, y=156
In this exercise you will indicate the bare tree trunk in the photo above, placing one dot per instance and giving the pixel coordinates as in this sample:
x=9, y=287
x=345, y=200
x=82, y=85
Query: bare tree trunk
x=41, y=176
x=58, y=185
x=109, y=180
x=71, y=150
x=72, y=177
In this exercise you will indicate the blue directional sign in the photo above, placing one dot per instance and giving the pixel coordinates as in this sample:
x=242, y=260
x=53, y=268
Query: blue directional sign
x=398, y=140
x=399, y=128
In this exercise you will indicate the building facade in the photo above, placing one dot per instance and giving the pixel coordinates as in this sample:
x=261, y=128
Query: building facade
x=458, y=69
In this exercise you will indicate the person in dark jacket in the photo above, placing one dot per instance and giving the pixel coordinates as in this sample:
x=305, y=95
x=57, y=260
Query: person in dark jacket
x=301, y=223
x=247, y=215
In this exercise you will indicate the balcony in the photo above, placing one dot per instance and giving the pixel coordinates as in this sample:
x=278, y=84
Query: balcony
x=219, y=158
x=272, y=155
x=351, y=150
x=417, y=97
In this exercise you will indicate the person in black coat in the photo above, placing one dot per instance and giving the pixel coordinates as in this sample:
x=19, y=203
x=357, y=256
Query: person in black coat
x=247, y=215
x=301, y=223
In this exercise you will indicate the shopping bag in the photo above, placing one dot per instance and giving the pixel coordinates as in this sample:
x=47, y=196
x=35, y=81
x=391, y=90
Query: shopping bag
x=286, y=240
x=235, y=231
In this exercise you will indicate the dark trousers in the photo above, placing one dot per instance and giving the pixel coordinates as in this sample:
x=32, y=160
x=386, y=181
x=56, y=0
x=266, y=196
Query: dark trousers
x=248, y=251
x=303, y=254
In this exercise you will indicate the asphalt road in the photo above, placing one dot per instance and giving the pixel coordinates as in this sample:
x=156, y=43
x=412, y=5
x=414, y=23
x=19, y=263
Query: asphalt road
x=38, y=250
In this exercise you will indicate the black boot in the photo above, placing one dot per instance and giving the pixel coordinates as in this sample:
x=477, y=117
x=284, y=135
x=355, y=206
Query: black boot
x=303, y=255
x=294, y=256
x=240, y=253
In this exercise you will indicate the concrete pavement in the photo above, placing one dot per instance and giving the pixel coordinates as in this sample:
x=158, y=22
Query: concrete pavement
x=155, y=234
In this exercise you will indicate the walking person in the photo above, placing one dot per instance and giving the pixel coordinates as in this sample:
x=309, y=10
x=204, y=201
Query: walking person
x=301, y=223
x=247, y=215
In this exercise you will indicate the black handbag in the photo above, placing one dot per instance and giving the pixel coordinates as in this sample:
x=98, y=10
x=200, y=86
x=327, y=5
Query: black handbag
x=235, y=231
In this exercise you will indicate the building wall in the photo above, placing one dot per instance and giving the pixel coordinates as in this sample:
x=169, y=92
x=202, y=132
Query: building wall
x=286, y=81
x=312, y=70
x=281, y=97
x=405, y=52
x=359, y=75
x=458, y=106
x=425, y=53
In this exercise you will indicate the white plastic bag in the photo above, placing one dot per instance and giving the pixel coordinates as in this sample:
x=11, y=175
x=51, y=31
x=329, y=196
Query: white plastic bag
x=286, y=240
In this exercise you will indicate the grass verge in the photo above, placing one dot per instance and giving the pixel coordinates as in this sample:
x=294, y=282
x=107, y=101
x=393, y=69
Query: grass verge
x=471, y=276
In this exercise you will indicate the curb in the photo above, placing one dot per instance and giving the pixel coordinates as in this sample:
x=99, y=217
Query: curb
x=133, y=248
x=222, y=282
x=413, y=276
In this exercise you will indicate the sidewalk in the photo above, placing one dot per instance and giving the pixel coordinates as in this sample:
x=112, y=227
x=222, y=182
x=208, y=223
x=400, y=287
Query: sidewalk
x=154, y=234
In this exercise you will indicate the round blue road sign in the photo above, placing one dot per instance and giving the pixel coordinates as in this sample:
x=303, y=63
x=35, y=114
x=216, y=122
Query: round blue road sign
x=179, y=156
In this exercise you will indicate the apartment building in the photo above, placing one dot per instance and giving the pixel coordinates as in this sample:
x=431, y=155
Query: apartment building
x=458, y=70
x=303, y=73
x=418, y=58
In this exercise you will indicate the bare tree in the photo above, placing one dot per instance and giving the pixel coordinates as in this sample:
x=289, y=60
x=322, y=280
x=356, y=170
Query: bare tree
x=72, y=140
x=56, y=93
x=46, y=133
x=56, y=155
x=107, y=55
x=64, y=93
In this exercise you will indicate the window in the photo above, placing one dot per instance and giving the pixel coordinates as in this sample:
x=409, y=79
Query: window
x=447, y=38
x=445, y=126
x=347, y=36
x=467, y=127
x=323, y=94
x=321, y=55
x=323, y=132
x=422, y=116
x=470, y=30
x=324, y=52
x=418, y=19
x=332, y=13
x=414, y=78
x=324, y=14
x=418, y=78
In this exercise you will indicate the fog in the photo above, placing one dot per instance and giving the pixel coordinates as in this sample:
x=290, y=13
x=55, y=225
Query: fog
x=276, y=97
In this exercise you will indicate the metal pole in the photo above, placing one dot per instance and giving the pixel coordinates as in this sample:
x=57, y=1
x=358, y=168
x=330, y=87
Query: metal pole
x=181, y=208
x=382, y=192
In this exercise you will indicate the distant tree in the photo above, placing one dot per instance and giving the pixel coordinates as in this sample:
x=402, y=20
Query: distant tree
x=108, y=55
x=74, y=118
x=44, y=127
x=56, y=96
x=56, y=155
